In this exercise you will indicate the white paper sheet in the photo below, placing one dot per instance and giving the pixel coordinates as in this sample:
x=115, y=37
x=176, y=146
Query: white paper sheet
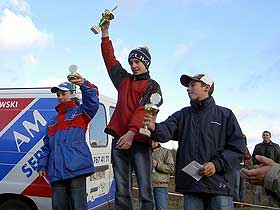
x=193, y=170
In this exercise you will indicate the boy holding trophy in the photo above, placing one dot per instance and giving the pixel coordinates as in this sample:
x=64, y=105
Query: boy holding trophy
x=130, y=149
x=66, y=156
x=210, y=146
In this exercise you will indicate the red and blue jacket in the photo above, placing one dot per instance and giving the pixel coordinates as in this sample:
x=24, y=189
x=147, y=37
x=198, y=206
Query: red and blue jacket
x=134, y=91
x=65, y=151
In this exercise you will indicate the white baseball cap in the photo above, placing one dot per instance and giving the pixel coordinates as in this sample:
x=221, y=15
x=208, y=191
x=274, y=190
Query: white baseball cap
x=186, y=79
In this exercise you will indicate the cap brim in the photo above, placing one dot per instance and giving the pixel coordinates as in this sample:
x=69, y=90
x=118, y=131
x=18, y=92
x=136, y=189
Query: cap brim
x=56, y=89
x=186, y=79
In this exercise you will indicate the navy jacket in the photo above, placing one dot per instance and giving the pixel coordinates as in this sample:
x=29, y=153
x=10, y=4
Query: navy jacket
x=205, y=132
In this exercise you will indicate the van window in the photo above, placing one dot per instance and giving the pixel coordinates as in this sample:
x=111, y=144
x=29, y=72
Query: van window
x=97, y=137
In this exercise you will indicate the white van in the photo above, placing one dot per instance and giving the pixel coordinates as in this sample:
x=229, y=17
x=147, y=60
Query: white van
x=24, y=113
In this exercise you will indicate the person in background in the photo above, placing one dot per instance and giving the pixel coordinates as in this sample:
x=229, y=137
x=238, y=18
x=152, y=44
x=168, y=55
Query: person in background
x=163, y=165
x=210, y=139
x=65, y=153
x=270, y=150
x=130, y=150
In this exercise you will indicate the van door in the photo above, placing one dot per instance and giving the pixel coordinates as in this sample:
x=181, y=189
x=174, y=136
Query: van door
x=100, y=184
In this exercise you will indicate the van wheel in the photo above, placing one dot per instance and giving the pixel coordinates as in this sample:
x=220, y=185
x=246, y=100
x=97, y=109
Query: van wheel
x=15, y=204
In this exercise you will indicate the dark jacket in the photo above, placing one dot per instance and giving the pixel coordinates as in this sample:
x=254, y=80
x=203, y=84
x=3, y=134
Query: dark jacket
x=134, y=92
x=65, y=151
x=205, y=132
x=270, y=150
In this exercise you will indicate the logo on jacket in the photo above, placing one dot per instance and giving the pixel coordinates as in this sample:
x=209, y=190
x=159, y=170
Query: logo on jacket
x=217, y=123
x=222, y=185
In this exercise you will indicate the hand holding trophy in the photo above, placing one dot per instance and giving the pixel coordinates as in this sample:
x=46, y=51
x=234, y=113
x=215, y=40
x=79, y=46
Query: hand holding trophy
x=107, y=15
x=71, y=76
x=152, y=109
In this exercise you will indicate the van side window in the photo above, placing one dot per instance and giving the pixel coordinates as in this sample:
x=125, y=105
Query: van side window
x=97, y=137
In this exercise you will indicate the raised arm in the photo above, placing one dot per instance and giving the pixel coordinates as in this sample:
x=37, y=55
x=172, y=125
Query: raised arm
x=90, y=95
x=114, y=68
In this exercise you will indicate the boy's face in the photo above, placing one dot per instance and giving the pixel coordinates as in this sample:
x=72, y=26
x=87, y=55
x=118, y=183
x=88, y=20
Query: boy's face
x=63, y=96
x=137, y=67
x=198, y=91
x=154, y=144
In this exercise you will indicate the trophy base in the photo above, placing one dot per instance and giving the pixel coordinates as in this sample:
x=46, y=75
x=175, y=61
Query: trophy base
x=71, y=77
x=145, y=132
x=95, y=29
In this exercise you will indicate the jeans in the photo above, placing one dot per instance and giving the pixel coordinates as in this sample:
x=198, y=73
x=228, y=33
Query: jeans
x=161, y=198
x=242, y=189
x=69, y=194
x=139, y=158
x=209, y=202
x=236, y=178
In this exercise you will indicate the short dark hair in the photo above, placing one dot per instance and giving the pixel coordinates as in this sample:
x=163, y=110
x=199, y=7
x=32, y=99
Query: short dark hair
x=266, y=132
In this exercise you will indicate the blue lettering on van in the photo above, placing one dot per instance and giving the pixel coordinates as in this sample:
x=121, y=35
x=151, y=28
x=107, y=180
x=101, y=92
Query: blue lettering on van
x=29, y=126
x=31, y=165
x=25, y=132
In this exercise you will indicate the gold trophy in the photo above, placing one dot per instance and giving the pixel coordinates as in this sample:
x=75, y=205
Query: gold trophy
x=71, y=76
x=152, y=109
x=107, y=15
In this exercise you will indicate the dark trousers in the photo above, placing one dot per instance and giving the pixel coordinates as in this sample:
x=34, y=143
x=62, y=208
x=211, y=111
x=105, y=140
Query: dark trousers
x=69, y=194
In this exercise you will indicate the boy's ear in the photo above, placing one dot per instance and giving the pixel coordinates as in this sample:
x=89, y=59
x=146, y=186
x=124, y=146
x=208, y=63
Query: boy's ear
x=207, y=88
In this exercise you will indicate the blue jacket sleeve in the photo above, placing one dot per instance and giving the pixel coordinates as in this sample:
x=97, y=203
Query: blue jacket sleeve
x=90, y=99
x=235, y=147
x=44, y=157
x=168, y=129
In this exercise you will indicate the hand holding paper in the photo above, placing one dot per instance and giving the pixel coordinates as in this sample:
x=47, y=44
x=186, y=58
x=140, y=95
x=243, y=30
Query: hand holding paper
x=193, y=169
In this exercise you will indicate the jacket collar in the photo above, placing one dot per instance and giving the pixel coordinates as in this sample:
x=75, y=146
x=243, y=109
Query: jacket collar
x=269, y=143
x=143, y=76
x=201, y=105
x=62, y=107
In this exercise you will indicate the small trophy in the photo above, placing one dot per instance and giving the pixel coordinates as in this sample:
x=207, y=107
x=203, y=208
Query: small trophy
x=71, y=76
x=152, y=109
x=107, y=15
